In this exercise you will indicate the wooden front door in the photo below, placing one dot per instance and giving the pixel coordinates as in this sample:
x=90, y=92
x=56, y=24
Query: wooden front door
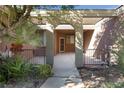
x=61, y=44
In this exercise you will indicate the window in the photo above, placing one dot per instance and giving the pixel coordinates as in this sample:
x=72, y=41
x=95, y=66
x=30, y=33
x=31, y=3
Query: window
x=67, y=39
x=70, y=39
x=43, y=38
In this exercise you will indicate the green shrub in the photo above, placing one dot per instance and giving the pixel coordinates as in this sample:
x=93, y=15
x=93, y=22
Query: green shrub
x=3, y=73
x=14, y=68
x=41, y=71
x=2, y=78
x=114, y=85
x=33, y=72
x=45, y=71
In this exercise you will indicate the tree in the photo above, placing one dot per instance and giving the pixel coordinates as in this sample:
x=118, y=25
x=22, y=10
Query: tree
x=67, y=7
x=16, y=25
x=118, y=42
x=11, y=16
x=25, y=33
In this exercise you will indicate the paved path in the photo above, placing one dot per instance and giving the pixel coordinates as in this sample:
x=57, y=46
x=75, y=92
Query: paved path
x=64, y=68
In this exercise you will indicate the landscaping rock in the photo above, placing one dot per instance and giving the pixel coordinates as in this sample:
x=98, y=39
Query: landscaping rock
x=79, y=85
x=70, y=85
x=90, y=84
x=100, y=79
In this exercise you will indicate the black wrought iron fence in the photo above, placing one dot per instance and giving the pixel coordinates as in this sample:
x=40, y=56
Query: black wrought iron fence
x=36, y=56
x=96, y=57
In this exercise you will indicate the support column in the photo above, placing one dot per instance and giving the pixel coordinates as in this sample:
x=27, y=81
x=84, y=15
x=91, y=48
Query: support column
x=79, y=46
x=49, y=45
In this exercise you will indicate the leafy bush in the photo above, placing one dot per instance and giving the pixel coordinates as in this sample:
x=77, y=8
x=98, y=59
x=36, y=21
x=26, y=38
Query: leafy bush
x=2, y=78
x=13, y=68
x=45, y=71
x=16, y=67
x=41, y=71
x=33, y=72
x=25, y=34
x=3, y=70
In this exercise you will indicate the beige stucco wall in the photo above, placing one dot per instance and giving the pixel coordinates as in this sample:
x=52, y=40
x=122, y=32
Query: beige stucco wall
x=105, y=34
x=87, y=35
x=98, y=32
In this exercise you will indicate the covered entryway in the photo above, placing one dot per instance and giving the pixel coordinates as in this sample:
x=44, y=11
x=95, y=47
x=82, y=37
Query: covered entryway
x=78, y=19
x=64, y=39
x=64, y=36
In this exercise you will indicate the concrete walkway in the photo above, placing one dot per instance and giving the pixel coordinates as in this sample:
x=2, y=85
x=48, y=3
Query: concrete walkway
x=63, y=68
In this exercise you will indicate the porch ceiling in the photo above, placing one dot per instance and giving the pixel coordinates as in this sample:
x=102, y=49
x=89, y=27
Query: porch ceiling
x=69, y=27
x=66, y=31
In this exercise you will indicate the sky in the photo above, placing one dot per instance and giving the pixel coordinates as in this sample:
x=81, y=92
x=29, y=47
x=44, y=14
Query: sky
x=57, y=7
x=97, y=6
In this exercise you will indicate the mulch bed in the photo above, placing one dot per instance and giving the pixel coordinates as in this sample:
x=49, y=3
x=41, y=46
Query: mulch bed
x=96, y=77
x=26, y=83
